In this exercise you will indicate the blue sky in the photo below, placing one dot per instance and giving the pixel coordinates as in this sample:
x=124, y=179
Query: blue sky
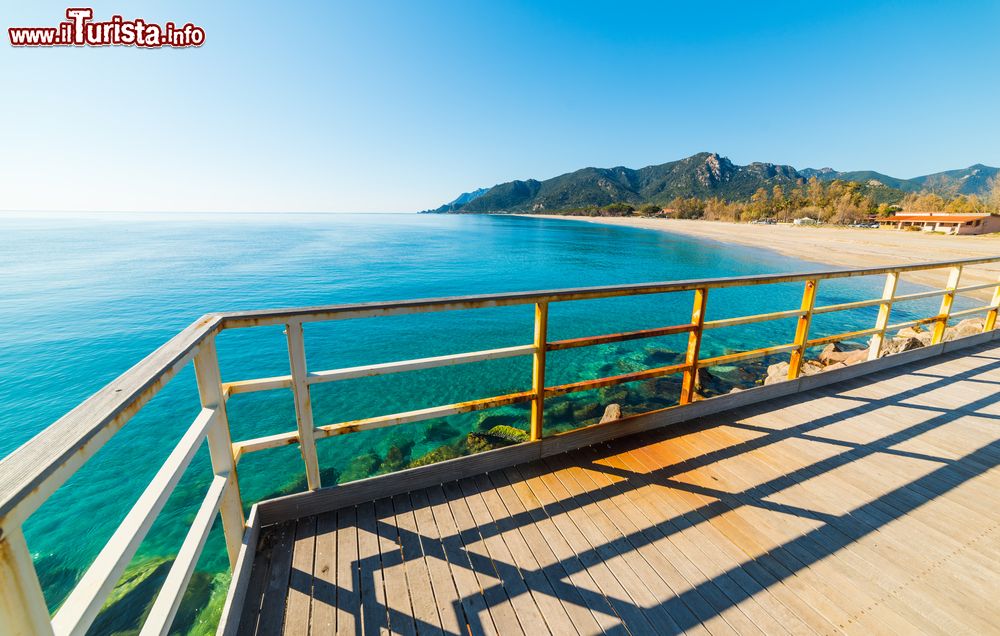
x=399, y=106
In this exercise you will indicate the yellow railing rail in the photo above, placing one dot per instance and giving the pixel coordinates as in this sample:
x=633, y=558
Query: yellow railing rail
x=33, y=472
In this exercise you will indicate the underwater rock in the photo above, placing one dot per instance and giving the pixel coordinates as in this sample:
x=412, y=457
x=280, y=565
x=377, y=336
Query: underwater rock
x=437, y=455
x=612, y=413
x=486, y=422
x=587, y=411
x=560, y=411
x=362, y=466
x=440, y=432
x=506, y=433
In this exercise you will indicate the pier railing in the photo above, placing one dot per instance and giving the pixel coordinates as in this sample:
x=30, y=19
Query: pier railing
x=33, y=472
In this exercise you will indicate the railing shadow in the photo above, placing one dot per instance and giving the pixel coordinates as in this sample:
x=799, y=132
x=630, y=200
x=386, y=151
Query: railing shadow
x=628, y=560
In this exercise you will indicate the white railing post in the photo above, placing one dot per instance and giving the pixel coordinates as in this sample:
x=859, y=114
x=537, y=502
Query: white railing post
x=884, y=309
x=23, y=611
x=538, y=370
x=303, y=402
x=220, y=445
x=946, y=302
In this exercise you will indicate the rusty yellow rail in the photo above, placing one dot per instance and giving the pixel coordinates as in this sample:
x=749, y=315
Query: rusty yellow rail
x=33, y=472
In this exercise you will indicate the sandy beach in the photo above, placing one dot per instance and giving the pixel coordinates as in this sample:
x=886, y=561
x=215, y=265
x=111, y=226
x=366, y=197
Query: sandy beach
x=838, y=246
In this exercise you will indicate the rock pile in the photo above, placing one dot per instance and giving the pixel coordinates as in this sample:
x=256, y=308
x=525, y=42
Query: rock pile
x=839, y=355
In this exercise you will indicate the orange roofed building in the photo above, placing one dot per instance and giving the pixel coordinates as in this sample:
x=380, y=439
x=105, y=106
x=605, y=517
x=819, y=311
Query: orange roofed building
x=943, y=222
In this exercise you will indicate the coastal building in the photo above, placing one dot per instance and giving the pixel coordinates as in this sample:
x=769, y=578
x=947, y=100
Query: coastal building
x=943, y=222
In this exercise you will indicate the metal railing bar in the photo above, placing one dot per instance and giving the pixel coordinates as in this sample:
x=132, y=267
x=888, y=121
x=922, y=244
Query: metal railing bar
x=161, y=616
x=85, y=601
x=825, y=309
x=588, y=385
x=747, y=320
x=261, y=443
x=974, y=310
x=419, y=415
x=587, y=341
x=745, y=355
x=402, y=307
x=386, y=368
x=919, y=295
x=259, y=384
x=849, y=335
x=913, y=323
x=969, y=288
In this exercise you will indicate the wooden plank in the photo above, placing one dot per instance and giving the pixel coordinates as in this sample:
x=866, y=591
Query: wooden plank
x=715, y=554
x=629, y=596
x=418, y=578
x=397, y=596
x=581, y=598
x=473, y=604
x=348, y=575
x=449, y=604
x=300, y=580
x=851, y=589
x=546, y=599
x=272, y=611
x=879, y=564
x=528, y=614
x=323, y=611
x=249, y=610
x=717, y=592
x=237, y=595
x=774, y=562
x=490, y=582
x=374, y=610
x=649, y=566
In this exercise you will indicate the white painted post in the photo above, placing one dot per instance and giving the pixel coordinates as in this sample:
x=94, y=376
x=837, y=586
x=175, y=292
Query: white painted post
x=23, y=611
x=303, y=403
x=946, y=302
x=884, y=309
x=220, y=446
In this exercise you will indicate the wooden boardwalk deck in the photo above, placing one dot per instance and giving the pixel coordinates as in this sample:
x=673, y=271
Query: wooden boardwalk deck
x=870, y=506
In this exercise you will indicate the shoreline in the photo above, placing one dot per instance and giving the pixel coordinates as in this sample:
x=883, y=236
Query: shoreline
x=837, y=246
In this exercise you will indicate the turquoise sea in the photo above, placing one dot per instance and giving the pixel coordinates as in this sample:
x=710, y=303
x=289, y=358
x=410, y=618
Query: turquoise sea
x=84, y=297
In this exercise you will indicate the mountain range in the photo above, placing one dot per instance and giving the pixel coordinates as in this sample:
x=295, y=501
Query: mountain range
x=702, y=175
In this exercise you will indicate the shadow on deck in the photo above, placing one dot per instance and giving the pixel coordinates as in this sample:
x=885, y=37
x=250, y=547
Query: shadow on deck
x=866, y=506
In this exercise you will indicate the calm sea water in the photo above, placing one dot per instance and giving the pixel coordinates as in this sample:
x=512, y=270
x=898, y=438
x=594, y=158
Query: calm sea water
x=85, y=297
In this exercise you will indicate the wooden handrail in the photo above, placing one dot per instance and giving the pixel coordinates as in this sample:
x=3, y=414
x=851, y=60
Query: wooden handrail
x=30, y=474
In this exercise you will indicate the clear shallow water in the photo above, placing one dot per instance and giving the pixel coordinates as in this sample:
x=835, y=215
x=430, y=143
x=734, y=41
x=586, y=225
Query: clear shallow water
x=85, y=297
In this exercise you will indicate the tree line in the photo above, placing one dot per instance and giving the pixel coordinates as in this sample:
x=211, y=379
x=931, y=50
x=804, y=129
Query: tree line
x=834, y=201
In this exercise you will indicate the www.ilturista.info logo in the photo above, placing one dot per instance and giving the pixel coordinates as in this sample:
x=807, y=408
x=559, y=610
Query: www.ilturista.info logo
x=80, y=30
